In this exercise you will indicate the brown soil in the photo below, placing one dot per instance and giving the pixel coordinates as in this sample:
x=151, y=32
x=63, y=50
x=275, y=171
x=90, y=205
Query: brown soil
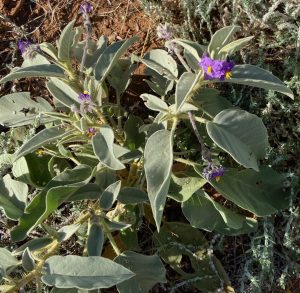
x=43, y=20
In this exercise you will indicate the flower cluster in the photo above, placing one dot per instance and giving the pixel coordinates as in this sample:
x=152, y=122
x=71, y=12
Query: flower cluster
x=86, y=8
x=216, y=69
x=86, y=104
x=28, y=49
x=212, y=172
x=164, y=31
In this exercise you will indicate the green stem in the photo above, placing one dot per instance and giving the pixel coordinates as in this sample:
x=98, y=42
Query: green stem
x=119, y=113
x=74, y=160
x=110, y=237
x=174, y=125
x=39, y=287
x=184, y=161
x=36, y=273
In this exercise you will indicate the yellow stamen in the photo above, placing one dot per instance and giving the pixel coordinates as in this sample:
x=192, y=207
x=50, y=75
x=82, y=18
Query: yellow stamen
x=218, y=178
x=39, y=152
x=209, y=69
x=86, y=92
x=228, y=74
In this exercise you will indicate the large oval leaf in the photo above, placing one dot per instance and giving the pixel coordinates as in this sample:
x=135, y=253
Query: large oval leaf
x=44, y=70
x=13, y=197
x=158, y=164
x=254, y=76
x=109, y=195
x=33, y=244
x=62, y=92
x=103, y=148
x=110, y=56
x=154, y=103
x=132, y=195
x=204, y=213
x=182, y=188
x=193, y=48
x=241, y=134
x=208, y=100
x=65, y=42
x=183, y=89
x=41, y=138
x=83, y=272
x=95, y=240
x=57, y=191
x=7, y=261
x=233, y=47
x=261, y=193
x=148, y=270
x=160, y=61
x=12, y=109
x=221, y=38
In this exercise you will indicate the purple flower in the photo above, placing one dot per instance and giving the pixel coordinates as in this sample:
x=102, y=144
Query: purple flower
x=164, y=32
x=212, y=172
x=84, y=97
x=216, y=69
x=86, y=8
x=27, y=48
x=91, y=131
x=86, y=103
x=23, y=46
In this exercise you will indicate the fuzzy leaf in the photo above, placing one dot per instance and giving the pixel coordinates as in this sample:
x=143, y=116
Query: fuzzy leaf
x=158, y=165
x=44, y=70
x=148, y=270
x=41, y=138
x=13, y=197
x=233, y=47
x=49, y=49
x=183, y=89
x=182, y=188
x=204, y=213
x=241, y=134
x=95, y=240
x=65, y=42
x=103, y=148
x=91, y=272
x=154, y=103
x=62, y=92
x=254, y=76
x=160, y=61
x=109, y=195
x=12, y=108
x=27, y=260
x=261, y=193
x=220, y=39
x=33, y=244
x=132, y=195
x=110, y=56
x=193, y=48
x=7, y=261
x=57, y=191
x=210, y=102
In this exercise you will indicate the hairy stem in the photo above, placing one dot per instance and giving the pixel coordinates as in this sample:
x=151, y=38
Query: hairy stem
x=110, y=237
x=36, y=273
x=88, y=28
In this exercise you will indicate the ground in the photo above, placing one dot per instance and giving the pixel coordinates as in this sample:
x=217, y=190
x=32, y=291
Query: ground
x=43, y=20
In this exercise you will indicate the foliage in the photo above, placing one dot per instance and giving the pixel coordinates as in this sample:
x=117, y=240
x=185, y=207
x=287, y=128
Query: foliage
x=275, y=25
x=125, y=169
